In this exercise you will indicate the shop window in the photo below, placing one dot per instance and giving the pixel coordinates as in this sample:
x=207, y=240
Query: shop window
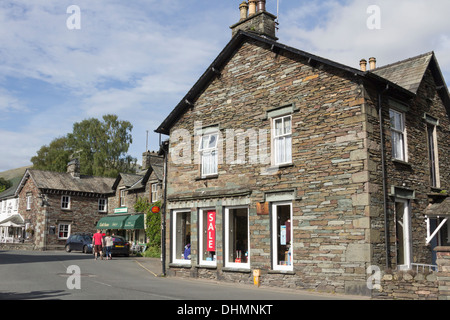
x=282, y=236
x=181, y=237
x=207, y=223
x=237, y=253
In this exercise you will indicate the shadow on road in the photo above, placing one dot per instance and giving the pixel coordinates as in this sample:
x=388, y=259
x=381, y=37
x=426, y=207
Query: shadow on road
x=33, y=295
x=15, y=257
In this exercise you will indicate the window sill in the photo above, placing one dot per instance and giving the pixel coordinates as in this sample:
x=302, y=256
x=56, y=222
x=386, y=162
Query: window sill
x=180, y=265
x=397, y=161
x=205, y=266
x=290, y=272
x=240, y=270
x=213, y=176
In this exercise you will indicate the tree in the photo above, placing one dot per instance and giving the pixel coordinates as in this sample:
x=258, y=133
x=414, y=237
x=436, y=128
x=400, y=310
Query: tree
x=100, y=146
x=53, y=157
x=4, y=184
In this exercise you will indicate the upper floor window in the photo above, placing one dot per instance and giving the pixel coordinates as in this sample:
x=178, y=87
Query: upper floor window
x=122, y=198
x=154, y=193
x=398, y=135
x=102, y=205
x=433, y=161
x=282, y=140
x=28, y=201
x=208, y=154
x=65, y=202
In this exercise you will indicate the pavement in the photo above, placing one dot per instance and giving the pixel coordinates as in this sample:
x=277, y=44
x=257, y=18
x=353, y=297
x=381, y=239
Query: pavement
x=151, y=265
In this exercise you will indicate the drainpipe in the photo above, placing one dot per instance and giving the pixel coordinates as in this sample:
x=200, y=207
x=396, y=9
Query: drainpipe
x=163, y=227
x=383, y=169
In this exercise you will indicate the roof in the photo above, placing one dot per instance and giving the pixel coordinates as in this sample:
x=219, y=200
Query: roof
x=439, y=209
x=236, y=41
x=406, y=73
x=63, y=181
x=10, y=192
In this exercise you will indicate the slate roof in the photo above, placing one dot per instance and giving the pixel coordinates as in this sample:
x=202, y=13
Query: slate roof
x=65, y=182
x=406, y=73
x=241, y=36
x=439, y=209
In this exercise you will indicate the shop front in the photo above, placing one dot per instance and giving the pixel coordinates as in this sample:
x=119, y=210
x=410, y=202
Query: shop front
x=129, y=226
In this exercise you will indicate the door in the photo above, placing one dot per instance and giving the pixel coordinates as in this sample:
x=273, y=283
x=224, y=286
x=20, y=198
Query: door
x=403, y=233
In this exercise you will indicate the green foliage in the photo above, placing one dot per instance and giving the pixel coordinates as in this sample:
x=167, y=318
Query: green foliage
x=4, y=184
x=152, y=220
x=100, y=146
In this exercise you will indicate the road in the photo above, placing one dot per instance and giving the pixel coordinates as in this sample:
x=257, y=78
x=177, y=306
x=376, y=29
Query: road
x=55, y=275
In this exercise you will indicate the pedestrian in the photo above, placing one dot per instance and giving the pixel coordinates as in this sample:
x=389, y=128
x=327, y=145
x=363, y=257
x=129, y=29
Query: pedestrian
x=97, y=241
x=108, y=244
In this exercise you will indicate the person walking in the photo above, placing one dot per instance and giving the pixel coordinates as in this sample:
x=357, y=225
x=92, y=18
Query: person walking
x=108, y=244
x=97, y=242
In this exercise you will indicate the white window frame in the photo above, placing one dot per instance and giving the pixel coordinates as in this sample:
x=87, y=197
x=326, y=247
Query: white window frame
x=65, y=205
x=175, y=258
x=209, y=154
x=281, y=139
x=122, y=197
x=232, y=264
x=29, y=201
x=433, y=154
x=154, y=192
x=401, y=145
x=102, y=202
x=202, y=223
x=60, y=225
x=407, y=233
x=275, y=233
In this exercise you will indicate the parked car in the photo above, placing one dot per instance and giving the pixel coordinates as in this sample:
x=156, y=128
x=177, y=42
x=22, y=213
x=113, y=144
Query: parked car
x=120, y=246
x=79, y=242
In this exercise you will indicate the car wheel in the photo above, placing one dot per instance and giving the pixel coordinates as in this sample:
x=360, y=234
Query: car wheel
x=68, y=248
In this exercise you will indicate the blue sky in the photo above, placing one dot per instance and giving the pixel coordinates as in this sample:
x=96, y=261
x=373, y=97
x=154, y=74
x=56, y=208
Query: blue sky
x=138, y=58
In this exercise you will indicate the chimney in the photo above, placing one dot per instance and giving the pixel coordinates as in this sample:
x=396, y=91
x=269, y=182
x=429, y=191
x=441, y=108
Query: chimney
x=261, y=5
x=363, y=64
x=244, y=10
x=372, y=63
x=259, y=22
x=73, y=167
x=251, y=7
x=148, y=158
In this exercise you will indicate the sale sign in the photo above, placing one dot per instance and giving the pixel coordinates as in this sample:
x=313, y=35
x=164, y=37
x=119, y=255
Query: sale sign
x=211, y=231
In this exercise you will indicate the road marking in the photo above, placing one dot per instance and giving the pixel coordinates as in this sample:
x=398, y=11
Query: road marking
x=146, y=268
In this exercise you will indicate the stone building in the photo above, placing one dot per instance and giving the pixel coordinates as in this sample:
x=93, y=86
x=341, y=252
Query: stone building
x=306, y=169
x=128, y=188
x=53, y=204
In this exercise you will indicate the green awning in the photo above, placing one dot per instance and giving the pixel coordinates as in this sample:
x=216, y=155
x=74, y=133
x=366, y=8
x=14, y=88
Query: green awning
x=112, y=222
x=134, y=222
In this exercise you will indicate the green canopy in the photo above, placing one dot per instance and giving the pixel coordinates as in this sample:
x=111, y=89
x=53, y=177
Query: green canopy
x=134, y=222
x=112, y=222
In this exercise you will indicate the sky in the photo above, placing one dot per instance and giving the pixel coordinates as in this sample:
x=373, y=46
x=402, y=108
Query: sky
x=65, y=61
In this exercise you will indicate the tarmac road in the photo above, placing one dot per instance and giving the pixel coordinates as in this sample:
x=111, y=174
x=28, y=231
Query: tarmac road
x=58, y=275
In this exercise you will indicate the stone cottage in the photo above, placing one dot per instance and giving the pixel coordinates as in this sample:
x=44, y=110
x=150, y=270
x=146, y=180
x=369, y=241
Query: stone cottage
x=55, y=204
x=128, y=188
x=303, y=168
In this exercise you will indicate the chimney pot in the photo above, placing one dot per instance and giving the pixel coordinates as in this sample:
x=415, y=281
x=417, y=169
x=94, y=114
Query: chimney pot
x=372, y=63
x=251, y=7
x=363, y=64
x=243, y=7
x=261, y=5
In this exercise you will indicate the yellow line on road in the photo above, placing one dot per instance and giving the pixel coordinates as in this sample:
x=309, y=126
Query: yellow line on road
x=146, y=268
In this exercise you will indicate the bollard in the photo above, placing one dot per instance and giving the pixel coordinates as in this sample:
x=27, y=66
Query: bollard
x=256, y=277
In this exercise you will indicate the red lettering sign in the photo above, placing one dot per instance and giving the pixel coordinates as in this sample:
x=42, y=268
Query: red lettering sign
x=211, y=231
